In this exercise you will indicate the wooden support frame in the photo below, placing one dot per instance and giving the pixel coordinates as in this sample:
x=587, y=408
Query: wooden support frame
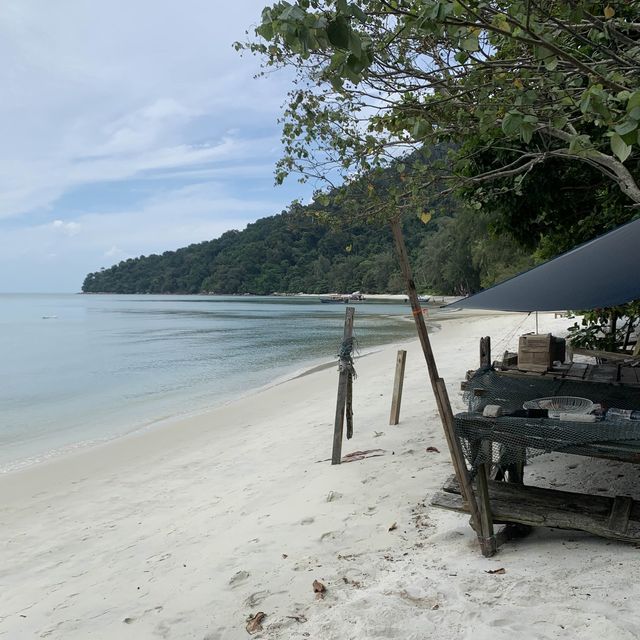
x=524, y=506
x=398, y=383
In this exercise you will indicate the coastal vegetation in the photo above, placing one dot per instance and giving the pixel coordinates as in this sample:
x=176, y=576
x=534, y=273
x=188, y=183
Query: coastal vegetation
x=301, y=250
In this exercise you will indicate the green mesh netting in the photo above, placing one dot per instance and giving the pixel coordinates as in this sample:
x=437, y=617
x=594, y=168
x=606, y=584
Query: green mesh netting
x=510, y=440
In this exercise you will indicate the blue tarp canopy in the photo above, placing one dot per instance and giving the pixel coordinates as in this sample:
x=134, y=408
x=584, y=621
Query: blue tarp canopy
x=604, y=272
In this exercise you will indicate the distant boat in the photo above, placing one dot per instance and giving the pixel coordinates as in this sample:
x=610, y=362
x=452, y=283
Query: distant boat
x=49, y=317
x=346, y=298
x=336, y=299
x=420, y=299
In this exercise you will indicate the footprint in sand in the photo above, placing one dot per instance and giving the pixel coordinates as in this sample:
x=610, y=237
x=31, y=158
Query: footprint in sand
x=238, y=578
x=159, y=557
x=330, y=535
x=256, y=598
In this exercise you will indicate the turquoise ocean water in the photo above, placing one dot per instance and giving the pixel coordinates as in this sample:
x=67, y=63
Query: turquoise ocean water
x=77, y=370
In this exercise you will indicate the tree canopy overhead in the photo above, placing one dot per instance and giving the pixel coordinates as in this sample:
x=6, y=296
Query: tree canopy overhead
x=530, y=80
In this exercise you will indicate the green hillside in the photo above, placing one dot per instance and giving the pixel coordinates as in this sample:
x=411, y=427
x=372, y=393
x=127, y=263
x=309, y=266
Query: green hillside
x=454, y=253
x=290, y=252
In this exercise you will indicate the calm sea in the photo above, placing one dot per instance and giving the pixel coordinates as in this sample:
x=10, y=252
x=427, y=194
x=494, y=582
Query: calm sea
x=77, y=370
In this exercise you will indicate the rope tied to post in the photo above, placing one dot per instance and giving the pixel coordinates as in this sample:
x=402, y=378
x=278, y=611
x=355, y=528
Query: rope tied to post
x=345, y=355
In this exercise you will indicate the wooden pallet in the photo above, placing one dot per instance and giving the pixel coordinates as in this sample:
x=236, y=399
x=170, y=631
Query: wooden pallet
x=616, y=518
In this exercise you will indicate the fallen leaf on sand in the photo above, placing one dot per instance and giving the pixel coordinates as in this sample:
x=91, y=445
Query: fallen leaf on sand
x=500, y=571
x=254, y=623
x=393, y=527
x=433, y=450
x=319, y=588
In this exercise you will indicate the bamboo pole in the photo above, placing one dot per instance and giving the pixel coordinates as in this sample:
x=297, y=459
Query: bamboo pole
x=439, y=389
x=343, y=378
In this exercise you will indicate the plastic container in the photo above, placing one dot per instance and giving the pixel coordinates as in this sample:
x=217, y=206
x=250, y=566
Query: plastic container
x=622, y=414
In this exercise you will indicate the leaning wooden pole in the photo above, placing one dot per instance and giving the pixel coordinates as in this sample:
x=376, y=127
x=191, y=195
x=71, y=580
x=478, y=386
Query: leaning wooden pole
x=439, y=390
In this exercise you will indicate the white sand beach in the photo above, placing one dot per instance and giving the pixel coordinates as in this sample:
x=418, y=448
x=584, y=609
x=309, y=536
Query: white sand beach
x=186, y=530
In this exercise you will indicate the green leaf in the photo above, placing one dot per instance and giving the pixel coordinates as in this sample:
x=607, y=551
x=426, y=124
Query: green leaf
x=579, y=143
x=541, y=53
x=354, y=64
x=620, y=148
x=338, y=33
x=526, y=132
x=355, y=46
x=265, y=30
x=559, y=122
x=470, y=43
x=420, y=129
x=627, y=126
x=358, y=13
x=634, y=101
x=292, y=13
x=511, y=122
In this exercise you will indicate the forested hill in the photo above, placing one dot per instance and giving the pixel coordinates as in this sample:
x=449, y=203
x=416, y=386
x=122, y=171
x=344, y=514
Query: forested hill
x=289, y=252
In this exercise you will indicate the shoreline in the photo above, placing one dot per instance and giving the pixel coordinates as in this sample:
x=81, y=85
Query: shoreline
x=185, y=531
x=302, y=369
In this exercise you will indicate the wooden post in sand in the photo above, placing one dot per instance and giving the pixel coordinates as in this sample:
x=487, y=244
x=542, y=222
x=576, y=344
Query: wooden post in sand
x=485, y=352
x=487, y=540
x=398, y=382
x=343, y=382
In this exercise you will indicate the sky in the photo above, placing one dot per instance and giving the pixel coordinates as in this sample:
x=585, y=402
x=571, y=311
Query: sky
x=129, y=128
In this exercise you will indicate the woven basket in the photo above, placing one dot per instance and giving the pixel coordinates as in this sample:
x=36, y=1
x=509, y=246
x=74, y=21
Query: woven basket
x=564, y=404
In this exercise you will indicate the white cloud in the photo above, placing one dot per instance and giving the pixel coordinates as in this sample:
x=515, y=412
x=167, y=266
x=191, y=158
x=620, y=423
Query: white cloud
x=113, y=252
x=99, y=95
x=105, y=91
x=68, y=228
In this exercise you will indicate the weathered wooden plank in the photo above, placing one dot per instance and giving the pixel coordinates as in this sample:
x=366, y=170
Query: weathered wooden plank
x=577, y=370
x=604, y=355
x=620, y=511
x=628, y=375
x=488, y=540
x=535, y=506
x=398, y=383
x=595, y=504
